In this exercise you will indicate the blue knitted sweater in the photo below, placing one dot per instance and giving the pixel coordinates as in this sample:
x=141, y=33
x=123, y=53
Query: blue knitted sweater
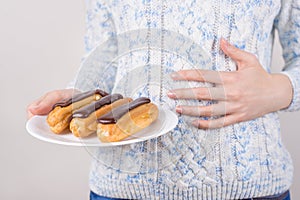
x=134, y=45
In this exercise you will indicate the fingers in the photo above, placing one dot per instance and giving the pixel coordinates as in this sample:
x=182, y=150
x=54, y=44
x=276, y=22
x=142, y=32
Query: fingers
x=225, y=110
x=232, y=89
x=218, y=109
x=242, y=58
x=209, y=76
x=215, y=123
x=43, y=105
x=32, y=108
x=29, y=114
x=205, y=93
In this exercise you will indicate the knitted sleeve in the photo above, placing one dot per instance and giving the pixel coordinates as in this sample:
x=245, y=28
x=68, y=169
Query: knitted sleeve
x=288, y=25
x=97, y=68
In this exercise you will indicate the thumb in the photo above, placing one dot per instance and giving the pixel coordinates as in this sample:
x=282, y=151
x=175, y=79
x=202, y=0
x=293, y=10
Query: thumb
x=42, y=107
x=242, y=58
x=44, y=104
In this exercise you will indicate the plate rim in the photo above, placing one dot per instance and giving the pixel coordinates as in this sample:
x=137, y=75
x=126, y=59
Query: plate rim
x=100, y=144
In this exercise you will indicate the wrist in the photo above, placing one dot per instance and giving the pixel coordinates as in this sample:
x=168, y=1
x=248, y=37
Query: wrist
x=283, y=91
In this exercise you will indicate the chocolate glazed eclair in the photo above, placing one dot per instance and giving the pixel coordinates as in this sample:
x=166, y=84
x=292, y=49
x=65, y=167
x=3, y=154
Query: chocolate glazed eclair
x=60, y=115
x=126, y=120
x=84, y=120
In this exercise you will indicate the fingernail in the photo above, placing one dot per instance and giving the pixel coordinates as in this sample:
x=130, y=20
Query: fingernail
x=171, y=94
x=174, y=75
x=178, y=109
x=196, y=123
x=226, y=44
x=33, y=107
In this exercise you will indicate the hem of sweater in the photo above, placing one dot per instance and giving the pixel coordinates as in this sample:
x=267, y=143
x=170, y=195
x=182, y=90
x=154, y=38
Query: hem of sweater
x=271, y=185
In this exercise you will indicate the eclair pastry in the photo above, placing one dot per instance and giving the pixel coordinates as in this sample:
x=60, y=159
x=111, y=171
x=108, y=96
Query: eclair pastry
x=126, y=120
x=84, y=120
x=59, y=118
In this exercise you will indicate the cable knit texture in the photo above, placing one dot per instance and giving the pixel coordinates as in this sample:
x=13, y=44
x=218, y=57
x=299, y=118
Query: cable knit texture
x=239, y=161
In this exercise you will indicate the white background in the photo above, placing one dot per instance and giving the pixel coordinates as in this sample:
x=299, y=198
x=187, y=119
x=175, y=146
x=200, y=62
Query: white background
x=41, y=44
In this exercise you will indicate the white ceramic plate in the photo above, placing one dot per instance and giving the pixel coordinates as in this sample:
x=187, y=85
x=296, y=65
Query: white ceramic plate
x=38, y=128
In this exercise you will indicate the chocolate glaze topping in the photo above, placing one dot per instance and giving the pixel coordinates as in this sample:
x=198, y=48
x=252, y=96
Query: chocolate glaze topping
x=79, y=97
x=87, y=110
x=113, y=116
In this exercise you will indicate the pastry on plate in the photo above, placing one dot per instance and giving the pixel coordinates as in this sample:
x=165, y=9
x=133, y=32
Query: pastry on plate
x=126, y=120
x=60, y=115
